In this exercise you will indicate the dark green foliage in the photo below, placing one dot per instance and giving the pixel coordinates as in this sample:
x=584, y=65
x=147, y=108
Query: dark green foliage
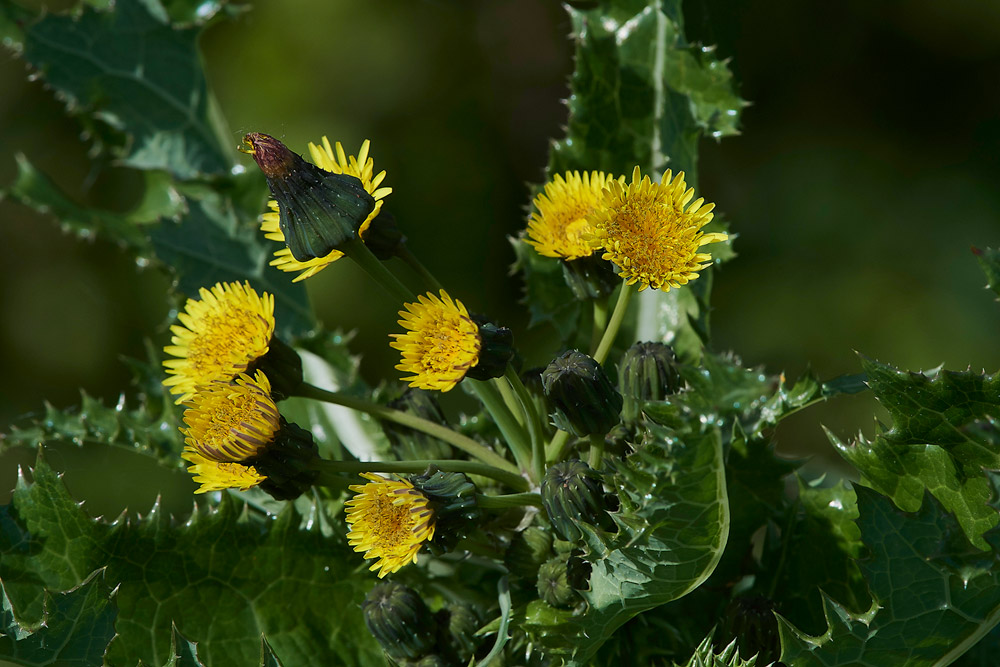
x=223, y=578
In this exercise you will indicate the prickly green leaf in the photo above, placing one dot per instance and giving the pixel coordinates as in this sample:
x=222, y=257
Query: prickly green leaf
x=144, y=428
x=74, y=631
x=222, y=577
x=934, y=594
x=989, y=262
x=548, y=299
x=183, y=651
x=672, y=529
x=218, y=240
x=816, y=551
x=134, y=79
x=267, y=656
x=943, y=436
x=705, y=656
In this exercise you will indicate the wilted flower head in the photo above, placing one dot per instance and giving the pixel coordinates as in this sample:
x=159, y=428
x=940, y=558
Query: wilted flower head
x=652, y=231
x=219, y=336
x=390, y=521
x=336, y=161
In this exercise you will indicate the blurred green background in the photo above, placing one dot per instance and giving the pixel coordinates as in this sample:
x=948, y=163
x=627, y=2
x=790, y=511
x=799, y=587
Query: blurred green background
x=866, y=169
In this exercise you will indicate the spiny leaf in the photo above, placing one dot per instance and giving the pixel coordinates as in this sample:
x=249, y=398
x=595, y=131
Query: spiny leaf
x=75, y=628
x=221, y=577
x=943, y=436
x=934, y=594
x=183, y=651
x=141, y=428
x=672, y=530
x=705, y=656
x=135, y=80
x=989, y=262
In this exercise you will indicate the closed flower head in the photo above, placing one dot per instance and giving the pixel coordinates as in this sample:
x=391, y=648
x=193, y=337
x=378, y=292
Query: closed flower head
x=335, y=161
x=441, y=345
x=652, y=231
x=390, y=521
x=219, y=335
x=227, y=424
x=559, y=227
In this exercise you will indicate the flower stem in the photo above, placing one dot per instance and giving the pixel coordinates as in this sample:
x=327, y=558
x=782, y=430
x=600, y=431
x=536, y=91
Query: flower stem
x=509, y=500
x=596, y=451
x=510, y=400
x=600, y=323
x=556, y=448
x=411, y=260
x=534, y=424
x=331, y=471
x=616, y=321
x=513, y=433
x=363, y=257
x=457, y=440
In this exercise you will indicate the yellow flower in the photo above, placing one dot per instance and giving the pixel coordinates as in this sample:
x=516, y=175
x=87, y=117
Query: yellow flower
x=442, y=343
x=559, y=227
x=652, y=231
x=390, y=521
x=361, y=167
x=226, y=425
x=232, y=422
x=219, y=476
x=219, y=336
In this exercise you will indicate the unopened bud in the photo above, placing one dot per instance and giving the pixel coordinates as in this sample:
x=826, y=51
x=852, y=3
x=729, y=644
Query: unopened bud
x=647, y=372
x=585, y=401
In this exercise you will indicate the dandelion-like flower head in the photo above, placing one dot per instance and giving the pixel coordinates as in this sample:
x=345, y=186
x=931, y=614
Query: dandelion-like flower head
x=219, y=336
x=559, y=227
x=335, y=160
x=226, y=425
x=442, y=342
x=390, y=520
x=652, y=231
x=232, y=422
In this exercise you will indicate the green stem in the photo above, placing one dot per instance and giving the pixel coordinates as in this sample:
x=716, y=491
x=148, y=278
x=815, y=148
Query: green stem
x=616, y=321
x=359, y=252
x=600, y=323
x=596, y=451
x=509, y=500
x=457, y=440
x=535, y=430
x=510, y=400
x=513, y=433
x=332, y=471
x=556, y=449
x=411, y=260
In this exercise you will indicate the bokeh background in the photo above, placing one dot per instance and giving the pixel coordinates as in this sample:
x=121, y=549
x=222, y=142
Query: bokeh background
x=866, y=169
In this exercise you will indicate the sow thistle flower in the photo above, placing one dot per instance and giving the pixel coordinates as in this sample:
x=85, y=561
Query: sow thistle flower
x=335, y=161
x=228, y=424
x=652, y=231
x=390, y=521
x=219, y=336
x=559, y=227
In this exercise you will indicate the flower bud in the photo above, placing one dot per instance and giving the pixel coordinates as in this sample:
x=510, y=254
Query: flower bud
x=750, y=620
x=647, y=372
x=408, y=443
x=585, y=401
x=452, y=497
x=286, y=462
x=463, y=622
x=552, y=584
x=400, y=621
x=318, y=211
x=495, y=351
x=527, y=551
x=572, y=493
